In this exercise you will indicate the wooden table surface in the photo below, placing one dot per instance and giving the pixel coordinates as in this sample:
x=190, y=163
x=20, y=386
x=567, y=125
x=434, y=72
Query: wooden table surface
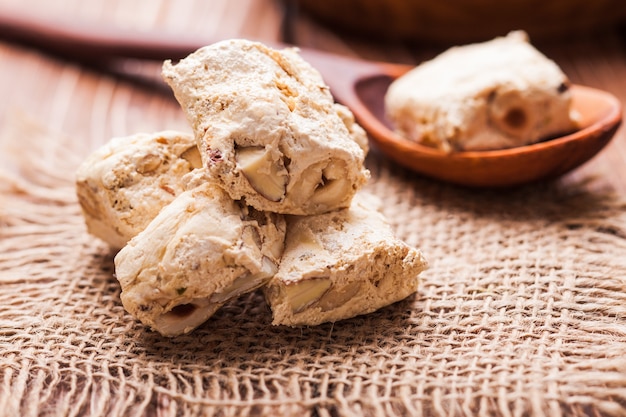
x=94, y=106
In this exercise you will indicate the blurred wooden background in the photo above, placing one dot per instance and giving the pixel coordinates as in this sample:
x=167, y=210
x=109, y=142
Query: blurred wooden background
x=93, y=106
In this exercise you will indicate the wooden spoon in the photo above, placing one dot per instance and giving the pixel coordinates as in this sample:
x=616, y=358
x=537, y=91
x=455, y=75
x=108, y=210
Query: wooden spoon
x=360, y=85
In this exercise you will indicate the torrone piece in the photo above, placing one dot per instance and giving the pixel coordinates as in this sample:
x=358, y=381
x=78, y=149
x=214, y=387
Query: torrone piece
x=199, y=252
x=341, y=264
x=124, y=184
x=268, y=129
x=492, y=95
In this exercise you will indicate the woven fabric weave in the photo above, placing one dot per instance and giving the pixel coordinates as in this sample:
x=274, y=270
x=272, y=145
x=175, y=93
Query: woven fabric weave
x=522, y=312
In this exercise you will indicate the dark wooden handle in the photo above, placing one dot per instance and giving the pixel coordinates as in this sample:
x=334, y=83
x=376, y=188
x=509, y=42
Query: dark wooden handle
x=82, y=40
x=89, y=42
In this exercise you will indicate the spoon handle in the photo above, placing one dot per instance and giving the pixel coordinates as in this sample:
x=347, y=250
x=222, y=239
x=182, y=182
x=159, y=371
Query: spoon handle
x=343, y=74
x=89, y=42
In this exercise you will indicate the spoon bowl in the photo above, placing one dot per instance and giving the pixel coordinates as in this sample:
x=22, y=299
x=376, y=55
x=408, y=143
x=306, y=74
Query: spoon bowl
x=360, y=85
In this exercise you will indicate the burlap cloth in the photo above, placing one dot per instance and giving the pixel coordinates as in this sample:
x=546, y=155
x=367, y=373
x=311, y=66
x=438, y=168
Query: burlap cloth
x=521, y=313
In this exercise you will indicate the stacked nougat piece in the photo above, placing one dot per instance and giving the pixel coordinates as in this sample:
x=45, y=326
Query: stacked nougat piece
x=276, y=202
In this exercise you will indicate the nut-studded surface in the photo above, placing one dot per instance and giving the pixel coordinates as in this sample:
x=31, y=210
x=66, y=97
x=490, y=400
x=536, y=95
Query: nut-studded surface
x=268, y=128
x=341, y=264
x=124, y=184
x=492, y=95
x=200, y=251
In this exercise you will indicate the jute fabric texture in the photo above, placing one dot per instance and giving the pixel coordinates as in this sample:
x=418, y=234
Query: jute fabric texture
x=522, y=312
